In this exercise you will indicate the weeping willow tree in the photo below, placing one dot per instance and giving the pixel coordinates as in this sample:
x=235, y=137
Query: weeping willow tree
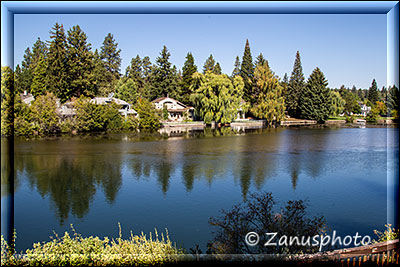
x=216, y=97
x=270, y=103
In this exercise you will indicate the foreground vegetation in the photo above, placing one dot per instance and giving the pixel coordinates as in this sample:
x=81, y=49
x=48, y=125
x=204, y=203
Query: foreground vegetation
x=76, y=250
x=257, y=214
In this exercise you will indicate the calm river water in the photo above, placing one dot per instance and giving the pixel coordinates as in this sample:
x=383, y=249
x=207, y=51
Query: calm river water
x=177, y=184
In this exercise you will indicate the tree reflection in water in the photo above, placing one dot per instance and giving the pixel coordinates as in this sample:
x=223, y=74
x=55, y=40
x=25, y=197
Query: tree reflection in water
x=72, y=171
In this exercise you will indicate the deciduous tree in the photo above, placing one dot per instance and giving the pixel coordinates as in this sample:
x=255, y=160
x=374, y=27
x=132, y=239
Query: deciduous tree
x=217, y=98
x=269, y=103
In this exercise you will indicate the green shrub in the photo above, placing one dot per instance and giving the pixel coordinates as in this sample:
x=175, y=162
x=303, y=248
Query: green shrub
x=130, y=123
x=149, y=118
x=349, y=119
x=112, y=117
x=372, y=116
x=67, y=125
x=76, y=250
x=44, y=114
x=94, y=117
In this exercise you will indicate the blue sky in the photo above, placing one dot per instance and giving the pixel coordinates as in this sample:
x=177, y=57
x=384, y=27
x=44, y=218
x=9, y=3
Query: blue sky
x=349, y=49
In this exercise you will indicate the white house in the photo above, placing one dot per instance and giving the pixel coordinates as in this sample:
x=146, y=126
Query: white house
x=364, y=109
x=176, y=110
x=67, y=109
x=125, y=108
x=27, y=98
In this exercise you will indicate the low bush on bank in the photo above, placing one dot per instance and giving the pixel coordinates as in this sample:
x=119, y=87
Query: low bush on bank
x=76, y=250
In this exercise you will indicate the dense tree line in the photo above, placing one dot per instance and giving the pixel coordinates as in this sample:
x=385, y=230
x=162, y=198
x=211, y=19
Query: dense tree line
x=66, y=67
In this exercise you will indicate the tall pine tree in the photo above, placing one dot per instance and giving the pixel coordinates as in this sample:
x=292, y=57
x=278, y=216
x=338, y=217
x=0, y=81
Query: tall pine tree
x=373, y=93
x=315, y=99
x=134, y=70
x=164, y=78
x=57, y=65
x=39, y=82
x=99, y=69
x=217, y=69
x=188, y=69
x=236, y=68
x=25, y=75
x=247, y=72
x=39, y=48
x=295, y=87
x=209, y=65
x=80, y=64
x=110, y=55
x=260, y=60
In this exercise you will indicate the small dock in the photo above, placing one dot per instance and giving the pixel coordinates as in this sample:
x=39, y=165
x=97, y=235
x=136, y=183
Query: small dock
x=297, y=122
x=188, y=125
x=248, y=124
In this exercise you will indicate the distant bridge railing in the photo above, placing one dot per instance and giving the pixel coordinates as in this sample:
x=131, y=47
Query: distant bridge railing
x=383, y=253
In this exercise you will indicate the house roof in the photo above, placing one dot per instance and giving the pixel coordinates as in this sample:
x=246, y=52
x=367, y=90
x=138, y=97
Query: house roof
x=27, y=98
x=186, y=107
x=105, y=100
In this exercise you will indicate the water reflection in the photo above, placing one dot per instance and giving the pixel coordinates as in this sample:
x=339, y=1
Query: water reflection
x=70, y=172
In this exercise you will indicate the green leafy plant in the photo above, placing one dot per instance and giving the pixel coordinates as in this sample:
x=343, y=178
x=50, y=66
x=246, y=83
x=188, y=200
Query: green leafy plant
x=389, y=234
x=75, y=250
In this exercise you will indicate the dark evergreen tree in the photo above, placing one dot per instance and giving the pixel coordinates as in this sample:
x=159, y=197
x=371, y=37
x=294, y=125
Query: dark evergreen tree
x=188, y=69
x=217, y=69
x=209, y=65
x=81, y=77
x=247, y=72
x=134, y=71
x=260, y=60
x=354, y=90
x=393, y=98
x=110, y=54
x=39, y=48
x=295, y=87
x=98, y=72
x=351, y=105
x=57, y=65
x=285, y=84
x=26, y=75
x=383, y=94
x=17, y=79
x=147, y=70
x=315, y=100
x=163, y=79
x=39, y=81
x=373, y=93
x=236, y=69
